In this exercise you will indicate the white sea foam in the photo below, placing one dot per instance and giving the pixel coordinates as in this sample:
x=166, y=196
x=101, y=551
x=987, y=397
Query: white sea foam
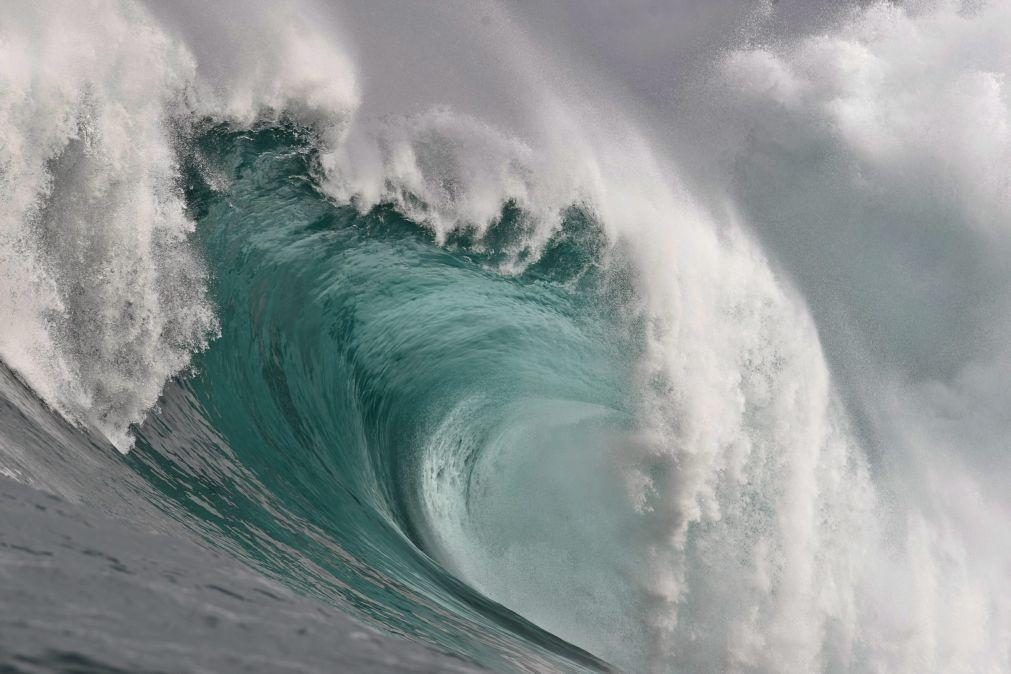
x=105, y=297
x=761, y=536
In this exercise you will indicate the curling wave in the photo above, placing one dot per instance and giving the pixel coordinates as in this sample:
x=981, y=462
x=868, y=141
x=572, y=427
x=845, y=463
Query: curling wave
x=494, y=371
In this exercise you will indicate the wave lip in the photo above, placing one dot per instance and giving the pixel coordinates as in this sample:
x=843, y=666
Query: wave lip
x=523, y=375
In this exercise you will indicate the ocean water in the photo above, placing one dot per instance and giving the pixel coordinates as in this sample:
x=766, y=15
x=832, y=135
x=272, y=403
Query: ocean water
x=382, y=336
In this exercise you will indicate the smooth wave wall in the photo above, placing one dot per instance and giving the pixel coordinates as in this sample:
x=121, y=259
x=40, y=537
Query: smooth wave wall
x=802, y=218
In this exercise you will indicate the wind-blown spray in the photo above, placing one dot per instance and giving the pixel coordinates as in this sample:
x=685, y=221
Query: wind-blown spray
x=694, y=371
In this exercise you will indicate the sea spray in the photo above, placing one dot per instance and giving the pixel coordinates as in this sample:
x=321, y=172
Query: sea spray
x=726, y=341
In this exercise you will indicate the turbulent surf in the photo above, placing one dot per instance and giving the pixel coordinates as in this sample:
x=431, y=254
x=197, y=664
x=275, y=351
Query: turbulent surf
x=549, y=338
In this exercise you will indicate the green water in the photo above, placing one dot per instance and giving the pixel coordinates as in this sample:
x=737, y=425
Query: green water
x=362, y=373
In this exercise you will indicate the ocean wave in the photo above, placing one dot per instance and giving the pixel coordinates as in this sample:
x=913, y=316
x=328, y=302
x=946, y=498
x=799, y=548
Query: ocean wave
x=461, y=337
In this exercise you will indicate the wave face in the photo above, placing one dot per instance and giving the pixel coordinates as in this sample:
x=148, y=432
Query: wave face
x=491, y=327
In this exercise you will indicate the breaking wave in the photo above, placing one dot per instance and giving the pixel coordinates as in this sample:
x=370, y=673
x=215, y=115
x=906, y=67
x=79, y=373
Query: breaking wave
x=684, y=357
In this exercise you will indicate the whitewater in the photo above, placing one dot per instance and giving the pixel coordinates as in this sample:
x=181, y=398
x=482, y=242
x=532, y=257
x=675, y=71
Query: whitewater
x=467, y=336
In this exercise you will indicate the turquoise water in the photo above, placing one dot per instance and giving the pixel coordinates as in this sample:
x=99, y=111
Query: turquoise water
x=535, y=332
x=316, y=436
